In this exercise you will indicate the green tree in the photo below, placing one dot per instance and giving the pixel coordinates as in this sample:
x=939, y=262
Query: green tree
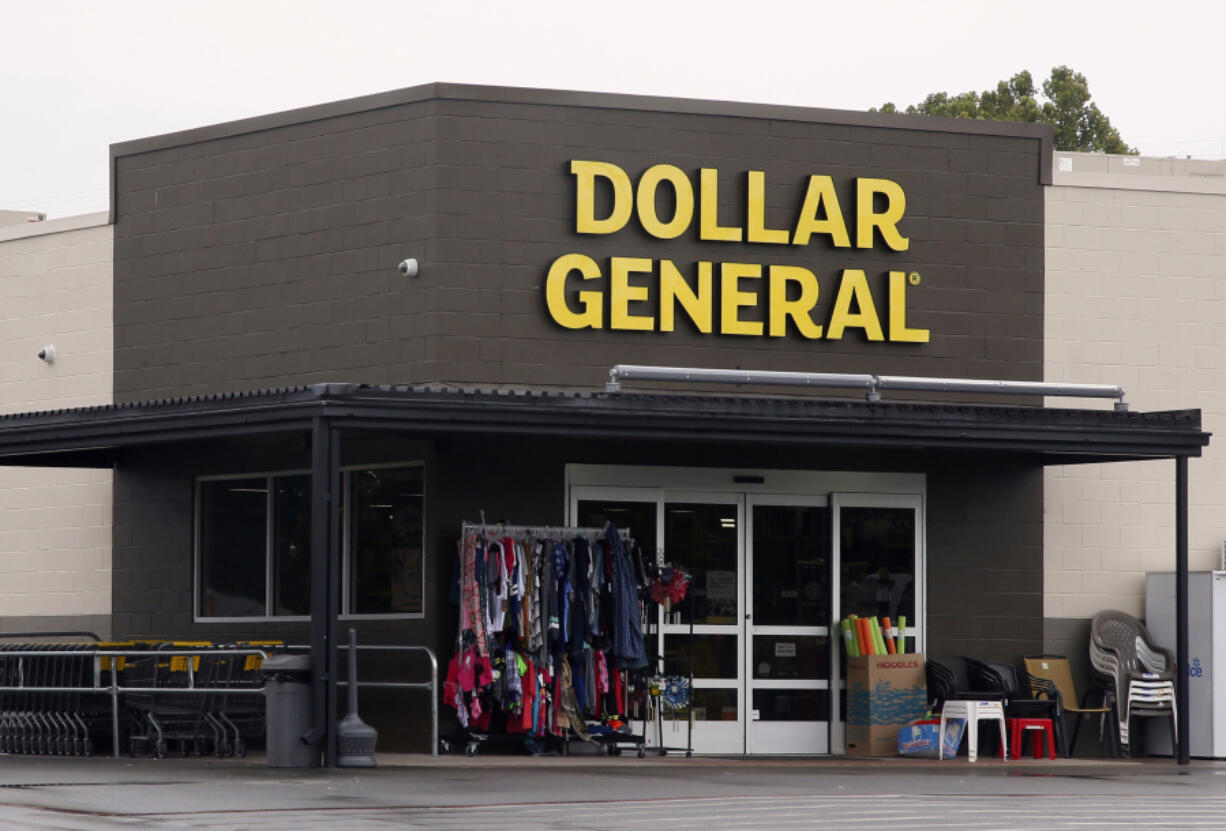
x=1078, y=123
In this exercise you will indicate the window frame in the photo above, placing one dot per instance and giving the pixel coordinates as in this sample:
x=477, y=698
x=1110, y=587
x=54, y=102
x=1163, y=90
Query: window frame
x=347, y=514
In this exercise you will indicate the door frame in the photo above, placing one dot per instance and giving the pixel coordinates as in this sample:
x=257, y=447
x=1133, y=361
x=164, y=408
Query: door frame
x=704, y=484
x=917, y=630
x=788, y=733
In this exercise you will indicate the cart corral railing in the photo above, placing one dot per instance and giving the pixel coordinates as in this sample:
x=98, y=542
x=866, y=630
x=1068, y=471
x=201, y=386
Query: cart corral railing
x=431, y=685
x=25, y=672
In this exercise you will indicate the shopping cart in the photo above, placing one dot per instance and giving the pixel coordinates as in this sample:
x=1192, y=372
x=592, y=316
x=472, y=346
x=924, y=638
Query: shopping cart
x=235, y=716
x=156, y=714
x=45, y=708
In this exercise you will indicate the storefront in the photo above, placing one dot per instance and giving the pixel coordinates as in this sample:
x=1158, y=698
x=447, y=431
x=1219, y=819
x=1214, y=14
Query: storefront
x=304, y=418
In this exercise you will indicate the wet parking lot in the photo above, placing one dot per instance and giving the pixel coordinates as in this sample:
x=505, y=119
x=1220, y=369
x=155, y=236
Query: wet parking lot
x=598, y=793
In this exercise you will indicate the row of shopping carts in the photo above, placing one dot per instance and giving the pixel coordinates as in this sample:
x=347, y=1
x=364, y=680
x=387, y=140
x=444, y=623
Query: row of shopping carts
x=152, y=697
x=222, y=712
x=45, y=708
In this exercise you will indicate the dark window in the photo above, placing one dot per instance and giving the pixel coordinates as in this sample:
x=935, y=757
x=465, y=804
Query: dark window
x=233, y=536
x=878, y=562
x=254, y=529
x=291, y=545
x=386, y=563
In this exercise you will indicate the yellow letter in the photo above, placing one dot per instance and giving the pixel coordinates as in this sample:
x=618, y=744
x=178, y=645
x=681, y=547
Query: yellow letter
x=799, y=309
x=684, y=191
x=854, y=286
x=555, y=293
x=732, y=299
x=674, y=289
x=756, y=212
x=821, y=195
x=585, y=197
x=886, y=222
x=708, y=220
x=621, y=294
x=898, y=312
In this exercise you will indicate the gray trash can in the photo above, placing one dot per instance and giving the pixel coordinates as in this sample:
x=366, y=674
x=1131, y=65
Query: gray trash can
x=287, y=698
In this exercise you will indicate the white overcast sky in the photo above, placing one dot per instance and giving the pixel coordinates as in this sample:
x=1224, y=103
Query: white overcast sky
x=78, y=76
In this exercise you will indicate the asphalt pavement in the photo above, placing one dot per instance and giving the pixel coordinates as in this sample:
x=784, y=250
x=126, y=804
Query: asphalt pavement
x=599, y=793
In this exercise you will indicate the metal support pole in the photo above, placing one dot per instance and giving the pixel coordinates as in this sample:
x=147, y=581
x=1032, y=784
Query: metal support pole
x=323, y=589
x=334, y=588
x=114, y=705
x=1182, y=720
x=433, y=703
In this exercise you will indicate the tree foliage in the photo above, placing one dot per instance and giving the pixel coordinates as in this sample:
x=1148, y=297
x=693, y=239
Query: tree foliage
x=1079, y=124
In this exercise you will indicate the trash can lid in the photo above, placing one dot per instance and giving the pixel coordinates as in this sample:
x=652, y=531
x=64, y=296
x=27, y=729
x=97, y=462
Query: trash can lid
x=287, y=663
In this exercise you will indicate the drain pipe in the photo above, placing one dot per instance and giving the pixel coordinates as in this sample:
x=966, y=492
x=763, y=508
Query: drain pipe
x=871, y=384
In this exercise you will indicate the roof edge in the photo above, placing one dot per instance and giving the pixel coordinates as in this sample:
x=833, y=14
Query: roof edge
x=578, y=98
x=439, y=90
x=57, y=225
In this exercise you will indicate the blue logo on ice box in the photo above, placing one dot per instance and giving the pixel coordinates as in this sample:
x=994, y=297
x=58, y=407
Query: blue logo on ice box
x=1196, y=670
x=885, y=705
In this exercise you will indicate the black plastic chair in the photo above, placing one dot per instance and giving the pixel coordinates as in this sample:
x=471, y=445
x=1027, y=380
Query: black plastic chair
x=1030, y=697
x=956, y=677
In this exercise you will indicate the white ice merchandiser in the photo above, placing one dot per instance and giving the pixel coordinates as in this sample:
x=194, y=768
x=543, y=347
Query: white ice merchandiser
x=1206, y=657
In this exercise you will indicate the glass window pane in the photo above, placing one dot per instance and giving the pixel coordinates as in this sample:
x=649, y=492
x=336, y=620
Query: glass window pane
x=291, y=545
x=386, y=563
x=711, y=705
x=791, y=656
x=878, y=562
x=791, y=565
x=702, y=539
x=639, y=517
x=233, y=534
x=791, y=705
x=710, y=656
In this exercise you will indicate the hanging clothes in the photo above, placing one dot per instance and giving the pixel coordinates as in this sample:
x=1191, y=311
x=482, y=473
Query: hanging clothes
x=627, y=629
x=472, y=617
x=538, y=614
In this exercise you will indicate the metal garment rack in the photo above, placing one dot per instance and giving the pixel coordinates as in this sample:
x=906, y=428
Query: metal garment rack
x=537, y=531
x=656, y=630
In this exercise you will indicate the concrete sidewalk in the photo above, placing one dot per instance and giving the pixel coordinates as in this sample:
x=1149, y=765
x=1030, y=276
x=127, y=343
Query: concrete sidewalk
x=598, y=792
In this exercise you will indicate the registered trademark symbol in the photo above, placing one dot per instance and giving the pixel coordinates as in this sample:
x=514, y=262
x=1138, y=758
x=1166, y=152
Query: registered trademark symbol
x=914, y=278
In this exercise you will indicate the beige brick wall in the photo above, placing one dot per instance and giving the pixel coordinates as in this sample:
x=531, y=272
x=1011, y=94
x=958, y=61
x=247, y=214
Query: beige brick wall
x=55, y=524
x=1136, y=296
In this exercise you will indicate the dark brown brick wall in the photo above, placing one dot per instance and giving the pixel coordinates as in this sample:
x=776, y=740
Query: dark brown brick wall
x=985, y=558
x=269, y=257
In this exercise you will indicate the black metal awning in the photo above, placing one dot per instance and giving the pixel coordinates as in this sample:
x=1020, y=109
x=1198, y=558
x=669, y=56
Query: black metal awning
x=92, y=436
x=97, y=436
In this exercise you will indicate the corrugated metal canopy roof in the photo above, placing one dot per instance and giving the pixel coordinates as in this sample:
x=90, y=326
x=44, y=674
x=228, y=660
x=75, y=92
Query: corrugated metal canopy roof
x=90, y=436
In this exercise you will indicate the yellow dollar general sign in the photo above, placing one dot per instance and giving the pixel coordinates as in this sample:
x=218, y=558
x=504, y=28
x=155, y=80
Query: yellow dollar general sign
x=792, y=291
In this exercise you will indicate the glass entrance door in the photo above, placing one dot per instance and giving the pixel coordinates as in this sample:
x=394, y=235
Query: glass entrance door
x=702, y=634
x=787, y=624
x=771, y=575
x=879, y=548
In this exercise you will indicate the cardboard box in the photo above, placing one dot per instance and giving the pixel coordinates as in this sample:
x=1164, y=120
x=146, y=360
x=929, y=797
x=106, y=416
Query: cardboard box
x=884, y=693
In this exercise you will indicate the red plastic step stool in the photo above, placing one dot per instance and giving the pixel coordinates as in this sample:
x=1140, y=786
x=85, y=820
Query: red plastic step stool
x=1037, y=727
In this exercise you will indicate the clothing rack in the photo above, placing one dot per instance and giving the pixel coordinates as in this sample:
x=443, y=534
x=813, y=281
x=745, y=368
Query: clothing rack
x=568, y=700
x=538, y=531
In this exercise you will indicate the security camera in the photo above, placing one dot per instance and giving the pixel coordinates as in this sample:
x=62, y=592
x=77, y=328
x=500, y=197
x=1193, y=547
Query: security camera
x=47, y=353
x=408, y=267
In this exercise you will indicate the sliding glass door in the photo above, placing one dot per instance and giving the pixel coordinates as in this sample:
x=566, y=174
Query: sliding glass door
x=772, y=574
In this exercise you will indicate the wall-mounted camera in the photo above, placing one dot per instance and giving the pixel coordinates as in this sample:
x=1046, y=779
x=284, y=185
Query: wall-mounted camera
x=47, y=353
x=408, y=267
